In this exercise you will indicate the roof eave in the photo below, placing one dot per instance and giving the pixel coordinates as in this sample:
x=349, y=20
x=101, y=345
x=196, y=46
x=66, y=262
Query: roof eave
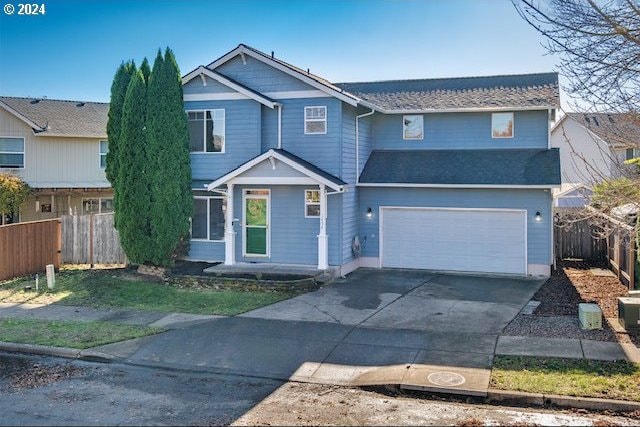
x=426, y=185
x=457, y=110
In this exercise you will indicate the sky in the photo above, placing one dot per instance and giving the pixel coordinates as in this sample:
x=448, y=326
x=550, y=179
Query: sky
x=73, y=50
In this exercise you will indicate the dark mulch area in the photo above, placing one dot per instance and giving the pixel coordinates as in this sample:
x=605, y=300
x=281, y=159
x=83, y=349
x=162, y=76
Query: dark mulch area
x=573, y=283
x=24, y=373
x=190, y=268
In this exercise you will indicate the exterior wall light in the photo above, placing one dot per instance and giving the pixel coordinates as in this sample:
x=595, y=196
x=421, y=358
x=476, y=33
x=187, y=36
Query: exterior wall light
x=538, y=217
x=369, y=213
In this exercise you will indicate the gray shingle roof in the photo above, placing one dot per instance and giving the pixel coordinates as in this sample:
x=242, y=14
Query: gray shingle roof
x=614, y=128
x=514, y=91
x=58, y=117
x=310, y=166
x=474, y=167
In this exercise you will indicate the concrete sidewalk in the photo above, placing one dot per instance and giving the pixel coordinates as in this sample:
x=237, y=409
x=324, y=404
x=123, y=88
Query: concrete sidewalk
x=88, y=314
x=566, y=348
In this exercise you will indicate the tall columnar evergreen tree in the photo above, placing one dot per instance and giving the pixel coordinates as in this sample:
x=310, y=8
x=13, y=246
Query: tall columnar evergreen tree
x=146, y=70
x=118, y=92
x=132, y=183
x=169, y=161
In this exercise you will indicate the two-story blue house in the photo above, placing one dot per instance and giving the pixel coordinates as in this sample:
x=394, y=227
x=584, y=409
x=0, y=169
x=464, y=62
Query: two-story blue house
x=444, y=174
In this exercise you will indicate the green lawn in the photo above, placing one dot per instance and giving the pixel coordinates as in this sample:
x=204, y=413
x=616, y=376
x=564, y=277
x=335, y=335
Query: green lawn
x=112, y=289
x=69, y=334
x=585, y=378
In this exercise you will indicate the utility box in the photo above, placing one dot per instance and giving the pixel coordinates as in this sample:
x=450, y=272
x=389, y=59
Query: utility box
x=590, y=316
x=629, y=313
x=51, y=276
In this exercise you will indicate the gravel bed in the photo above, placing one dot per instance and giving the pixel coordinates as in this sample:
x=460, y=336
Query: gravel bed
x=555, y=327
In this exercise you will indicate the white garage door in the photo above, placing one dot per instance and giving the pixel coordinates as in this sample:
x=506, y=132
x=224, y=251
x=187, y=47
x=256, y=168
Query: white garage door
x=492, y=241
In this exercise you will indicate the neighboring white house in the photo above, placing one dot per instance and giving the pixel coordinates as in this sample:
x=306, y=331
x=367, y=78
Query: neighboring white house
x=58, y=148
x=593, y=147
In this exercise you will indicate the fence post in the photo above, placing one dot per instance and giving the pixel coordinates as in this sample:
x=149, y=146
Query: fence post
x=59, y=241
x=91, y=240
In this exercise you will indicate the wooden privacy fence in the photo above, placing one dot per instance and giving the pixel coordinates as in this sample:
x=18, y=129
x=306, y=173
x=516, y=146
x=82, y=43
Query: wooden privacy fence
x=586, y=240
x=27, y=247
x=91, y=239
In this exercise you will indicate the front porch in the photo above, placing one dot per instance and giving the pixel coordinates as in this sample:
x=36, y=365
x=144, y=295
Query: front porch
x=262, y=223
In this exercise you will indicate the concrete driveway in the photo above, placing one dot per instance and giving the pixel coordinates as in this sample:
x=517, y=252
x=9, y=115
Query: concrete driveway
x=373, y=327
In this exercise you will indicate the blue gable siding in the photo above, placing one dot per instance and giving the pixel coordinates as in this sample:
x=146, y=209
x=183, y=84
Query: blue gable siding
x=242, y=138
x=260, y=76
x=350, y=197
x=196, y=86
x=538, y=233
x=461, y=131
x=323, y=151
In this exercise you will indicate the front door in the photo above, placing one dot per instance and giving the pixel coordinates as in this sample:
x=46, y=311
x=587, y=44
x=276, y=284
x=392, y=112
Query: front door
x=256, y=222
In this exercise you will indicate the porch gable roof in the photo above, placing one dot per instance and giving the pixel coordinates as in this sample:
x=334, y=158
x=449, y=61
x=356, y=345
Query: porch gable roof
x=306, y=168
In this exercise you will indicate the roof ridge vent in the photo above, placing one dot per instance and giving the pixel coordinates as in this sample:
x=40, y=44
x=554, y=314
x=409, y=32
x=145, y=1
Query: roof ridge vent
x=80, y=104
x=34, y=101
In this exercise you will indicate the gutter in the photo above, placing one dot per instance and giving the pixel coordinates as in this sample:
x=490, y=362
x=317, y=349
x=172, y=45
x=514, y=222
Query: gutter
x=358, y=143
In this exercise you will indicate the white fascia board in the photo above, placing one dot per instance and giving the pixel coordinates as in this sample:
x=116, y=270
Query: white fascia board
x=408, y=185
x=351, y=100
x=457, y=110
x=226, y=82
x=15, y=113
x=267, y=155
x=65, y=135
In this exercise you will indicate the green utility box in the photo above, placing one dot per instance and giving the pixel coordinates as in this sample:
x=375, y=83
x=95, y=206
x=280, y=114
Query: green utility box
x=629, y=313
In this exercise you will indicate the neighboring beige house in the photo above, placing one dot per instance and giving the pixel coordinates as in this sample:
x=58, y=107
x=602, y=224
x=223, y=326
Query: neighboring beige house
x=58, y=148
x=593, y=147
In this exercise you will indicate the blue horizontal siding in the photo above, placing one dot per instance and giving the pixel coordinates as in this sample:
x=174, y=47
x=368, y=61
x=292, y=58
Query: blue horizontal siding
x=269, y=128
x=242, y=138
x=538, y=233
x=324, y=150
x=444, y=131
x=260, y=76
x=206, y=251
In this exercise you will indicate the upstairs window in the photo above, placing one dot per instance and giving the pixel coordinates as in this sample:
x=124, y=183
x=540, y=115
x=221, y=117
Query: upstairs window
x=632, y=153
x=502, y=125
x=315, y=120
x=312, y=203
x=206, y=131
x=104, y=149
x=413, y=127
x=12, y=153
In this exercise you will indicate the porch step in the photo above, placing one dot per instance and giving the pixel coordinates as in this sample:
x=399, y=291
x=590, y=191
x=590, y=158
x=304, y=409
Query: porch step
x=273, y=272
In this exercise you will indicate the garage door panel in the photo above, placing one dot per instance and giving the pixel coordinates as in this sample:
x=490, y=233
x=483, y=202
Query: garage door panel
x=454, y=239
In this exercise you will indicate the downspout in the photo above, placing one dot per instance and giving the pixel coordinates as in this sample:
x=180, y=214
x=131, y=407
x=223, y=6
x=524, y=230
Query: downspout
x=358, y=144
x=279, y=107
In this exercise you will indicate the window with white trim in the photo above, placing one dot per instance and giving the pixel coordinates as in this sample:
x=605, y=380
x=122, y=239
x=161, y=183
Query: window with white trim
x=206, y=131
x=311, y=203
x=413, y=126
x=501, y=125
x=97, y=205
x=104, y=149
x=11, y=153
x=632, y=153
x=207, y=222
x=315, y=120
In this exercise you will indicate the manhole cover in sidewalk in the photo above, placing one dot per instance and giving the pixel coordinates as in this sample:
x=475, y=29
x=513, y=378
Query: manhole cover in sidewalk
x=445, y=379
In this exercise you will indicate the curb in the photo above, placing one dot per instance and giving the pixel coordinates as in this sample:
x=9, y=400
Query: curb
x=537, y=399
x=65, y=352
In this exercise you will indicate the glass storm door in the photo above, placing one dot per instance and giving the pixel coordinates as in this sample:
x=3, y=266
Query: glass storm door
x=256, y=222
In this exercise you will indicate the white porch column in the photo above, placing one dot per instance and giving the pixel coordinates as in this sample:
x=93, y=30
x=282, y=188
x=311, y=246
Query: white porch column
x=229, y=234
x=323, y=239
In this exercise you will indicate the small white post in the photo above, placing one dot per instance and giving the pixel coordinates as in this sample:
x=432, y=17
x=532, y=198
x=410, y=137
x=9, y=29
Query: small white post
x=229, y=234
x=323, y=239
x=51, y=276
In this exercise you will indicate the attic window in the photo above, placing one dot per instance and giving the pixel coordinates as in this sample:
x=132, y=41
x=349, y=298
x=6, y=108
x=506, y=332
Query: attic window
x=502, y=125
x=315, y=120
